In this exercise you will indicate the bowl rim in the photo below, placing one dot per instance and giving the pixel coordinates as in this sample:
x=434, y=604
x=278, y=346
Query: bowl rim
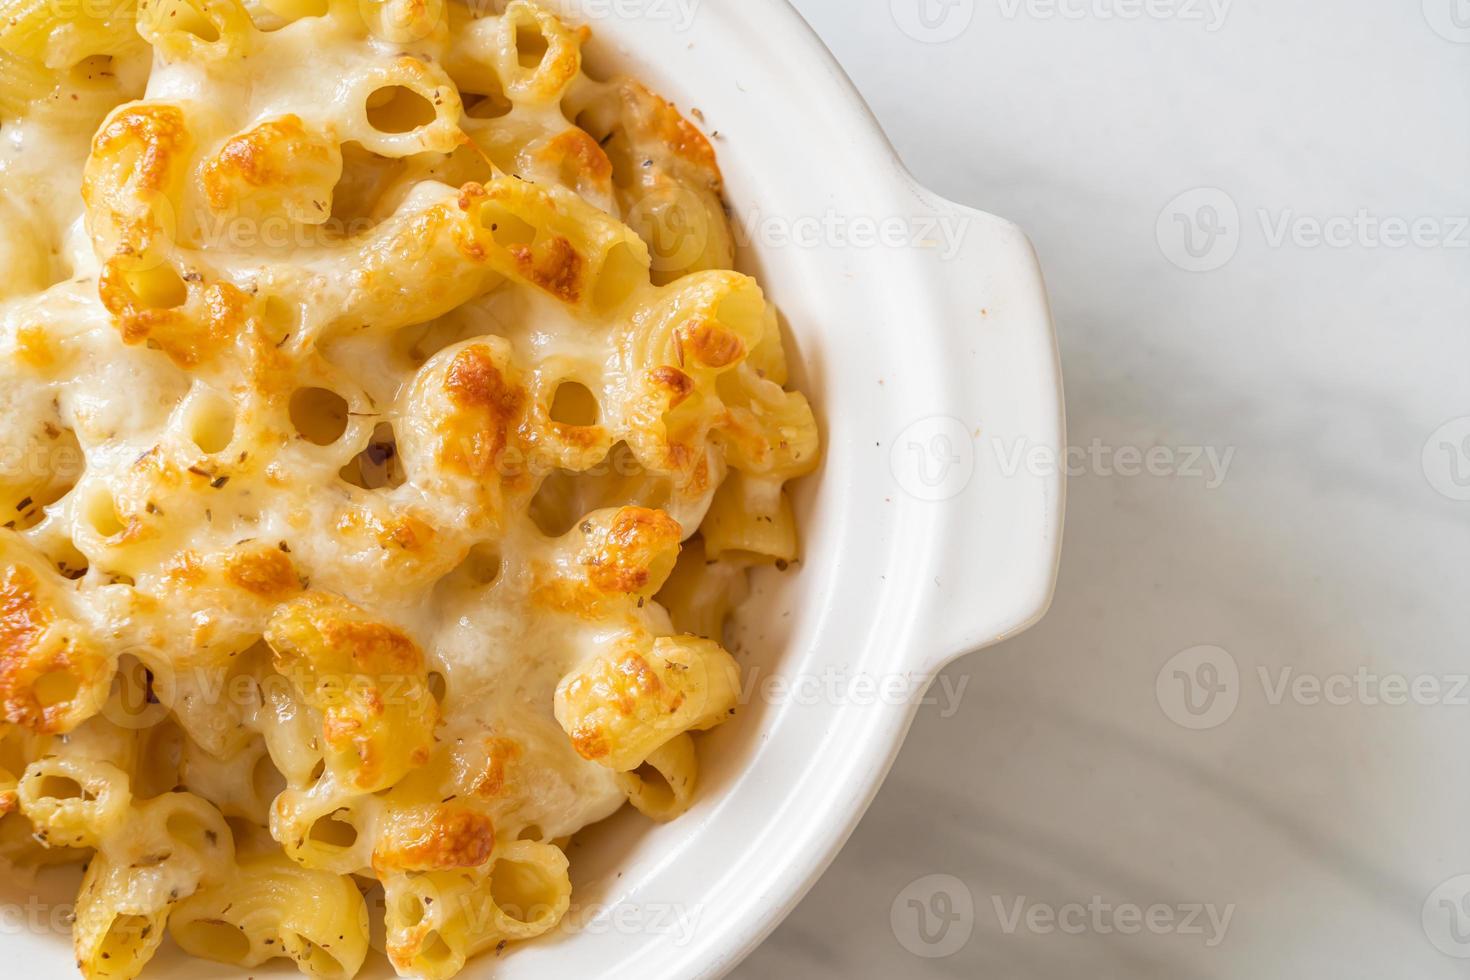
x=860, y=743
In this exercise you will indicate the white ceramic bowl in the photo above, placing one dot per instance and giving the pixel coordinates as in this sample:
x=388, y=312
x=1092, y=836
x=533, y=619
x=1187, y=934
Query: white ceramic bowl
x=931, y=531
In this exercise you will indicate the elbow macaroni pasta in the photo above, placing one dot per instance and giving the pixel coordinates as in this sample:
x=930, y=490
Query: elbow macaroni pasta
x=387, y=441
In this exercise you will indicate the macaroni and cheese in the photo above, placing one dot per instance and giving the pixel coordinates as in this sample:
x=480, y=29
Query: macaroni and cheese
x=387, y=438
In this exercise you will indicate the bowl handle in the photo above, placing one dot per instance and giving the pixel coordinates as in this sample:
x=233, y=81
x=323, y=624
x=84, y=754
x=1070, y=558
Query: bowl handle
x=989, y=460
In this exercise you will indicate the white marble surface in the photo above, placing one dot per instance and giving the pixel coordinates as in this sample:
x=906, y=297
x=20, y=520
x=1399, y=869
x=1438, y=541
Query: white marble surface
x=1323, y=826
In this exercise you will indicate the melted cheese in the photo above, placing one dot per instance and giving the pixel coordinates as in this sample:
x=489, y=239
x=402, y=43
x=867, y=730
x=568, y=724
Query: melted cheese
x=292, y=302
